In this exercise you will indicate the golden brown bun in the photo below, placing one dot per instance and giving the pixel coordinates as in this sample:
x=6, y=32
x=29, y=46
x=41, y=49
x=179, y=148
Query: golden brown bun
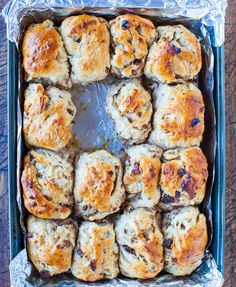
x=47, y=183
x=129, y=105
x=141, y=178
x=44, y=55
x=98, y=189
x=179, y=116
x=183, y=177
x=141, y=243
x=87, y=41
x=50, y=244
x=48, y=116
x=132, y=35
x=96, y=254
x=185, y=233
x=175, y=57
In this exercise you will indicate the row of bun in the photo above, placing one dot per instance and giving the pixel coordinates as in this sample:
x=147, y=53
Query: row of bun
x=87, y=48
x=99, y=186
x=169, y=117
x=139, y=244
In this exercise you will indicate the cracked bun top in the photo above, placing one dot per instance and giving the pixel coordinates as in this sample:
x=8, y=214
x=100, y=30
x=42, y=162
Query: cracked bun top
x=48, y=117
x=44, y=55
x=50, y=244
x=47, y=182
x=96, y=253
x=98, y=189
x=130, y=107
x=179, y=116
x=87, y=41
x=132, y=35
x=175, y=56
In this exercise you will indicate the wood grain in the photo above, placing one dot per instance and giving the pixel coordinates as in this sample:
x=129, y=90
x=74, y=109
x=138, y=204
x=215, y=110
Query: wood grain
x=4, y=237
x=230, y=82
x=230, y=85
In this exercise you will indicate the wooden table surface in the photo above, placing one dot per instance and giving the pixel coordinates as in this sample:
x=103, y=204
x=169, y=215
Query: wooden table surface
x=230, y=84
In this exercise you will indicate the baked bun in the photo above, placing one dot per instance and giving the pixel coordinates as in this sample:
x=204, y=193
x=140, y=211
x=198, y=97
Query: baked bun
x=50, y=244
x=140, y=242
x=48, y=117
x=175, y=56
x=185, y=233
x=132, y=35
x=179, y=116
x=47, y=182
x=141, y=177
x=183, y=177
x=98, y=189
x=87, y=41
x=129, y=105
x=96, y=253
x=44, y=55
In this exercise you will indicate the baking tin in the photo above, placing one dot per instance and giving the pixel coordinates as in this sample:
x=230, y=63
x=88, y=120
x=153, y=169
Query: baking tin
x=217, y=203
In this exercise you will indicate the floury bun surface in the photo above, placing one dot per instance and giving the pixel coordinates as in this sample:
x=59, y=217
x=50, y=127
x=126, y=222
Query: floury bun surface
x=98, y=189
x=141, y=177
x=132, y=35
x=178, y=119
x=129, y=105
x=183, y=177
x=141, y=244
x=185, y=233
x=47, y=182
x=96, y=253
x=87, y=41
x=48, y=117
x=175, y=56
x=50, y=244
x=44, y=55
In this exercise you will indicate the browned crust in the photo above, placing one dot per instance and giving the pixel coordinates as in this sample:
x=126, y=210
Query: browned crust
x=136, y=39
x=167, y=63
x=99, y=185
x=58, y=133
x=147, y=171
x=40, y=49
x=189, y=249
x=34, y=201
x=195, y=175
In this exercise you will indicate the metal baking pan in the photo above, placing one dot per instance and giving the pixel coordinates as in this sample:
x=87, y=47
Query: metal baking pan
x=218, y=194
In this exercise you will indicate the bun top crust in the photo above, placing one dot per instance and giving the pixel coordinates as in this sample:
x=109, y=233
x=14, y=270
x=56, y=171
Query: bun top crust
x=129, y=105
x=47, y=183
x=96, y=254
x=141, y=243
x=175, y=56
x=142, y=169
x=44, y=55
x=183, y=177
x=179, y=116
x=185, y=233
x=132, y=35
x=48, y=116
x=50, y=244
x=87, y=41
x=98, y=189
